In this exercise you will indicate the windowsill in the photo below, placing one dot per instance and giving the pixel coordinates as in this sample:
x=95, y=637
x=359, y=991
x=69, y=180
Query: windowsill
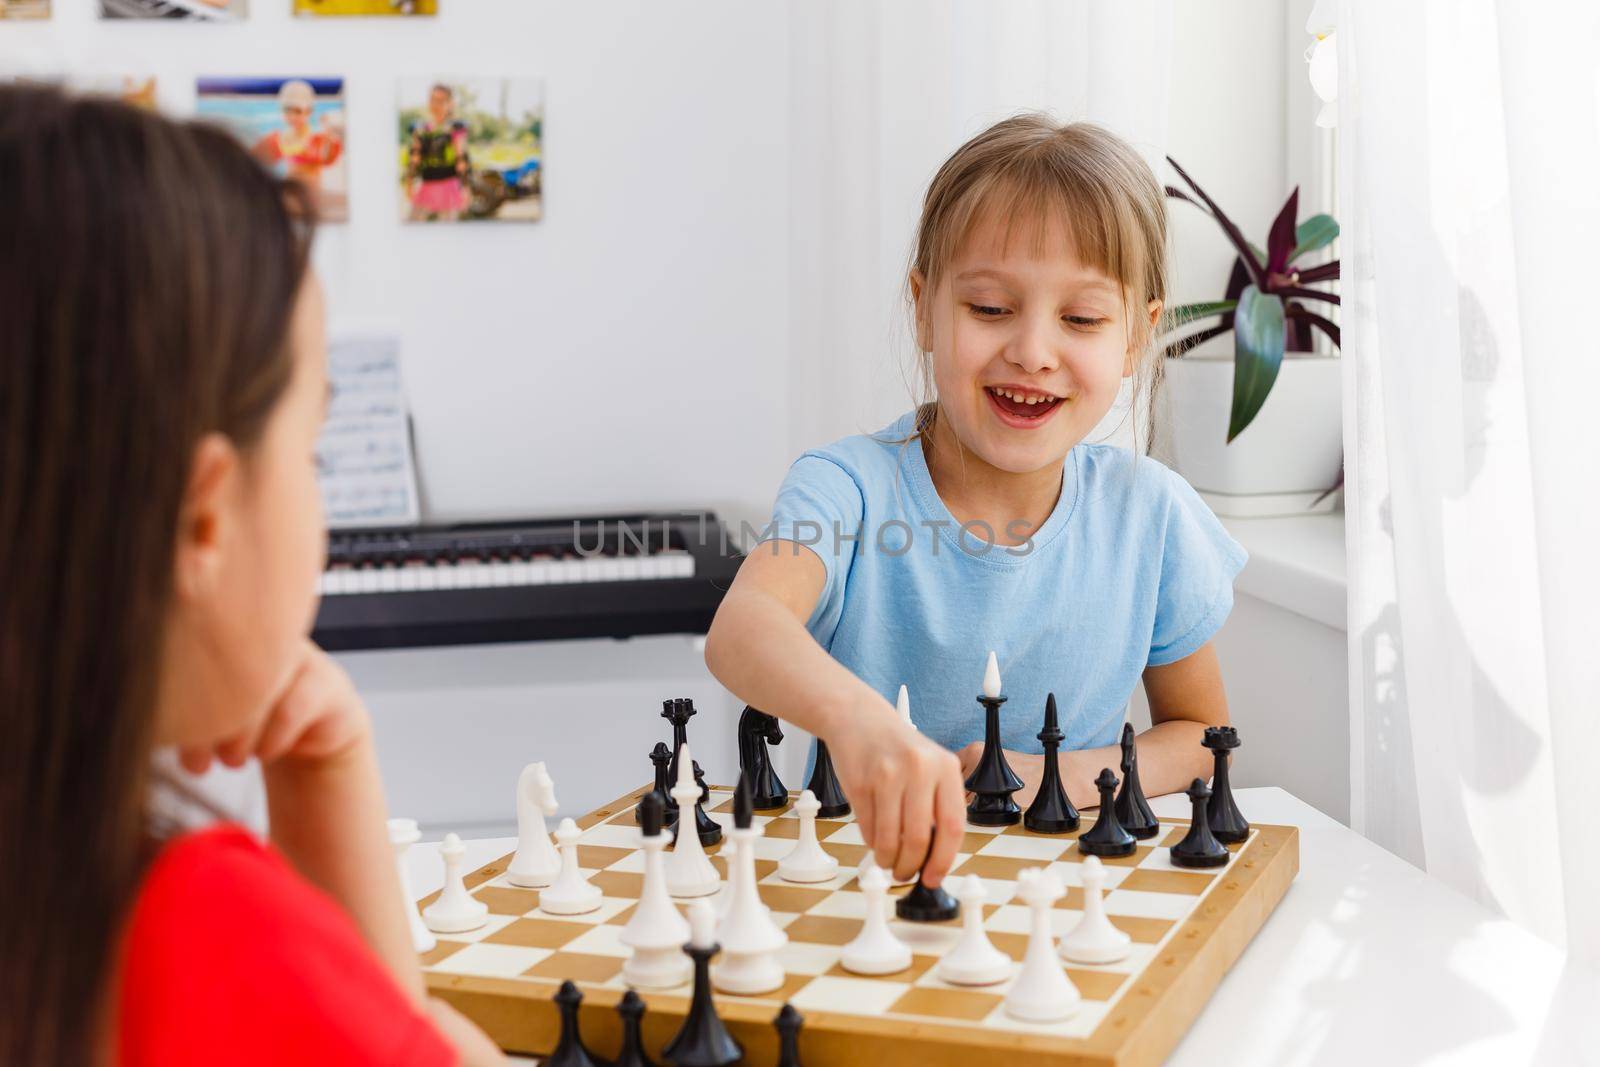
x=1296, y=563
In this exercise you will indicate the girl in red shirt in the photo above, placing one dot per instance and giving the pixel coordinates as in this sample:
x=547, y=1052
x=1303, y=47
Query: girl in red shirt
x=162, y=382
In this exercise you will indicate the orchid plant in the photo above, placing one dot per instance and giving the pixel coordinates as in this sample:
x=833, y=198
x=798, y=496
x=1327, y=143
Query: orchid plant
x=1265, y=304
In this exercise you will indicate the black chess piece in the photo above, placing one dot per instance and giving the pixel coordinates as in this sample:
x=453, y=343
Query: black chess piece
x=1051, y=811
x=1133, y=811
x=757, y=730
x=710, y=833
x=660, y=757
x=1227, y=823
x=925, y=905
x=569, y=1047
x=678, y=712
x=1199, y=848
x=1106, y=837
x=992, y=781
x=702, y=1041
x=631, y=1008
x=824, y=785
x=788, y=1025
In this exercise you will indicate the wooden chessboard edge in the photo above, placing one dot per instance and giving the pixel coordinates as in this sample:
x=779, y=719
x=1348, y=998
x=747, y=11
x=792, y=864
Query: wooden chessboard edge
x=1144, y=1034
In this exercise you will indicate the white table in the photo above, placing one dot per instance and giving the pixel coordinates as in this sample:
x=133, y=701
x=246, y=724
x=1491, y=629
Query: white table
x=1366, y=961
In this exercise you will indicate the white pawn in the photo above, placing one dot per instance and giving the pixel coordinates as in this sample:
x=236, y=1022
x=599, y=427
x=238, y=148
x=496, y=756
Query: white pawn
x=902, y=704
x=456, y=909
x=403, y=833
x=689, y=870
x=656, y=931
x=807, y=861
x=875, y=949
x=535, y=863
x=974, y=960
x=571, y=894
x=1094, y=939
x=1042, y=992
x=750, y=939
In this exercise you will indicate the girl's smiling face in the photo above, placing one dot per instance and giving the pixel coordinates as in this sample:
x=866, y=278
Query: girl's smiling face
x=1029, y=344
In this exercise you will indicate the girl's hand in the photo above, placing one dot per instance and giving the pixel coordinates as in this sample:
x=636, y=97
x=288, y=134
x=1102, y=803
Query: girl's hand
x=318, y=718
x=905, y=791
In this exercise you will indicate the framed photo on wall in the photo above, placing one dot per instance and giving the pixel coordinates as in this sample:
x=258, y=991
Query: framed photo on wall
x=471, y=149
x=295, y=125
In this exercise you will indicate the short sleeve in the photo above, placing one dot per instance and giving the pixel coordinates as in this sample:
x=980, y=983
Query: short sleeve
x=820, y=505
x=1198, y=563
x=230, y=955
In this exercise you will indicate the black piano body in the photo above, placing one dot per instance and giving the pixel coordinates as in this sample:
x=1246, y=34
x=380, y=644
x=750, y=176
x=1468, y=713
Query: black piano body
x=546, y=579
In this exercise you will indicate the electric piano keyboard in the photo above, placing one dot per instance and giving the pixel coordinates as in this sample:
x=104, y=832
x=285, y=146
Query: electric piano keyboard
x=475, y=583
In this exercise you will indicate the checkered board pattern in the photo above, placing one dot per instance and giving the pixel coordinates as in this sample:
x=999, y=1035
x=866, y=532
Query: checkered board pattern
x=1187, y=927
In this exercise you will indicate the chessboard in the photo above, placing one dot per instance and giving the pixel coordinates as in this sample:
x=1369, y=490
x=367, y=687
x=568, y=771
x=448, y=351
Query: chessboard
x=1188, y=927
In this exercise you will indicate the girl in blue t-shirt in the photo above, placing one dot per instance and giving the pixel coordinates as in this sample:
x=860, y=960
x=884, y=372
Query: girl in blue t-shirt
x=979, y=521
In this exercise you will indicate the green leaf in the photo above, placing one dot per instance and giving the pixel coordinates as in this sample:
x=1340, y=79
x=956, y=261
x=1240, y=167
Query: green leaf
x=1189, y=312
x=1257, y=354
x=1312, y=234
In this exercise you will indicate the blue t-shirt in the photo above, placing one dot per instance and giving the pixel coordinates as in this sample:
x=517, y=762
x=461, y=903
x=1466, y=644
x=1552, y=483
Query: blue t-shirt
x=1130, y=570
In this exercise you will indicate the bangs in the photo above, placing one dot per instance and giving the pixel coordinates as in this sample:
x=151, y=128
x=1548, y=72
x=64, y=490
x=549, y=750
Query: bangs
x=1044, y=198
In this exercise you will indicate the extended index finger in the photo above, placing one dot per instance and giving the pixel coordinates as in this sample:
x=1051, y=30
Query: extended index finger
x=950, y=822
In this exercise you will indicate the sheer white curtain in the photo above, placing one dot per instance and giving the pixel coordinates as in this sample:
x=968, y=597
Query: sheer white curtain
x=882, y=92
x=1469, y=178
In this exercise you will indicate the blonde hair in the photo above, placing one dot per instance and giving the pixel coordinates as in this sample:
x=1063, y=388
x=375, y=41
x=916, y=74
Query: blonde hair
x=1031, y=168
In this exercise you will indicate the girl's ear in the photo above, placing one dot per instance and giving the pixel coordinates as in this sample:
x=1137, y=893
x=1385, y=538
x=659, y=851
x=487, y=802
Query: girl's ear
x=203, y=518
x=924, y=334
x=1153, y=309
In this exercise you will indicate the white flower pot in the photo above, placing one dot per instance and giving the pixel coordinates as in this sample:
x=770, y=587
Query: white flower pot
x=1288, y=455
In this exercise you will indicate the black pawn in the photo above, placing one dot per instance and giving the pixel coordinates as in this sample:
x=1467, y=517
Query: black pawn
x=1133, y=811
x=992, y=781
x=788, y=1026
x=702, y=1041
x=925, y=905
x=660, y=757
x=710, y=833
x=757, y=730
x=1106, y=837
x=569, y=1047
x=1199, y=847
x=631, y=1007
x=1051, y=811
x=824, y=785
x=1227, y=824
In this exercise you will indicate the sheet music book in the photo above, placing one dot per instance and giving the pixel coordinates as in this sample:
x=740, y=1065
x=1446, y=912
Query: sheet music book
x=365, y=465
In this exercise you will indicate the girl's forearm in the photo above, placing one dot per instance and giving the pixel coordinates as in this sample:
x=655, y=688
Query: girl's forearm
x=766, y=657
x=1170, y=757
x=328, y=817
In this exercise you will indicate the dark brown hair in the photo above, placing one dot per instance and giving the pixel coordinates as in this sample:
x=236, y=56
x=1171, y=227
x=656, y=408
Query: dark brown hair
x=148, y=273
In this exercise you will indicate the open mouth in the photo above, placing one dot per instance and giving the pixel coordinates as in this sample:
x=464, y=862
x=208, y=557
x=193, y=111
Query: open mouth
x=1022, y=407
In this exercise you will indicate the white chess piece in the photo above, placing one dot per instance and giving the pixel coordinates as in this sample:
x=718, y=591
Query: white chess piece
x=1094, y=939
x=750, y=939
x=875, y=949
x=1042, y=992
x=656, y=932
x=689, y=870
x=535, y=863
x=456, y=910
x=807, y=861
x=991, y=678
x=571, y=893
x=902, y=704
x=974, y=960
x=403, y=833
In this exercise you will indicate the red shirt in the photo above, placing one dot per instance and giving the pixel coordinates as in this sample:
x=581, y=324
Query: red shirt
x=231, y=957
